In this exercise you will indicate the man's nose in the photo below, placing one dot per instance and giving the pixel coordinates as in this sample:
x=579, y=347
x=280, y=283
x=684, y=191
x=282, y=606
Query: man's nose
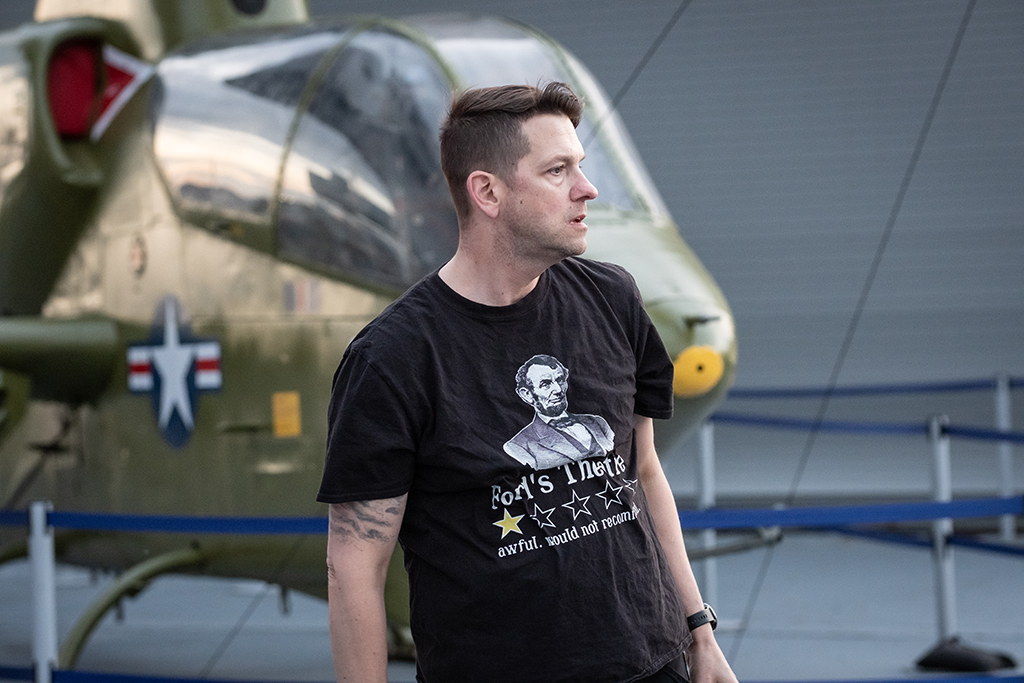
x=584, y=189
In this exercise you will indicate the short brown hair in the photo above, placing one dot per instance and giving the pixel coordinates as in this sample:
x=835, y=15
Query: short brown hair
x=484, y=131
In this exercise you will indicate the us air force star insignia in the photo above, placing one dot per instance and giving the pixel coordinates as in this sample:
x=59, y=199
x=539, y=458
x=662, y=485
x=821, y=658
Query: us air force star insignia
x=543, y=517
x=610, y=495
x=173, y=368
x=577, y=505
x=509, y=524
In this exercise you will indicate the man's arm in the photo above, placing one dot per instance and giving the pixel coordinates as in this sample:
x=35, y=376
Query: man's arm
x=707, y=663
x=360, y=540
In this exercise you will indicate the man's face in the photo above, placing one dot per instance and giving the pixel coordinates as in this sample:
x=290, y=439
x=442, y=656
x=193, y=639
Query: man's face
x=547, y=201
x=548, y=389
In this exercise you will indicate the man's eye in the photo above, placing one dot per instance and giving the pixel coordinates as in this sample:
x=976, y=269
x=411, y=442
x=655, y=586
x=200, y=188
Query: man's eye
x=557, y=170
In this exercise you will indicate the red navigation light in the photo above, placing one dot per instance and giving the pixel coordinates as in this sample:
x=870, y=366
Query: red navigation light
x=73, y=83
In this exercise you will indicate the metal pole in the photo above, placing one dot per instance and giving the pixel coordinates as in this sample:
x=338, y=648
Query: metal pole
x=706, y=479
x=1007, y=523
x=44, y=592
x=942, y=551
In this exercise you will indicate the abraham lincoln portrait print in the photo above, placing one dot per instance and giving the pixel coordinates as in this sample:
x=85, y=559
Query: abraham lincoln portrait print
x=555, y=437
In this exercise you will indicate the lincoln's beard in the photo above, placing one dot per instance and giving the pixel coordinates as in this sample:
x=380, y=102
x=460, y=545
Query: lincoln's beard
x=550, y=409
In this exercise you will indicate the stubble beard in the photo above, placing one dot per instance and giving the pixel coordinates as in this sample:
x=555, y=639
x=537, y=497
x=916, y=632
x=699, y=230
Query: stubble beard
x=531, y=239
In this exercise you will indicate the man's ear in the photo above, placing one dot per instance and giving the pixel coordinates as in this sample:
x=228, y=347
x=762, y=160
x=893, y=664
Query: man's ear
x=485, y=192
x=525, y=394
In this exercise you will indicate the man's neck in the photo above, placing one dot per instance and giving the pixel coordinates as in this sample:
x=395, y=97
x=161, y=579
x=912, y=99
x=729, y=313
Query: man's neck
x=489, y=281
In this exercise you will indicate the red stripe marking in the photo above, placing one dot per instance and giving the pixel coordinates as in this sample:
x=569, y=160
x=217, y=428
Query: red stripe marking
x=207, y=364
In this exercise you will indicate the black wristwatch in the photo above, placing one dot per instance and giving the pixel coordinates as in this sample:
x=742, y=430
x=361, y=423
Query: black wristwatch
x=705, y=616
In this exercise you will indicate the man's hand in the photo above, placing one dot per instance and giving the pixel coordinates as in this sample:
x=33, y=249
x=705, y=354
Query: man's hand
x=360, y=539
x=705, y=659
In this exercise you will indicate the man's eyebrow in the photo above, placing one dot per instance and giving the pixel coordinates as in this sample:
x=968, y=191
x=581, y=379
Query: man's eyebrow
x=563, y=158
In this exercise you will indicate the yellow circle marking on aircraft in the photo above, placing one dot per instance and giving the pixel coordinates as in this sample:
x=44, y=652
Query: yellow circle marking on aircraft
x=697, y=370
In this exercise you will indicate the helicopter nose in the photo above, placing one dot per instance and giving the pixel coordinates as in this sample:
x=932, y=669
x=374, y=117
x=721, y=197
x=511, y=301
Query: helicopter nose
x=697, y=370
x=700, y=337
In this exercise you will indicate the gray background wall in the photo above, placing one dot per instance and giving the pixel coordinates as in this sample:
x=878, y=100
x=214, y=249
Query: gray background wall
x=780, y=133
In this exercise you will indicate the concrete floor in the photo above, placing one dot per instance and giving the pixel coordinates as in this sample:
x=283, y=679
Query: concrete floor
x=831, y=608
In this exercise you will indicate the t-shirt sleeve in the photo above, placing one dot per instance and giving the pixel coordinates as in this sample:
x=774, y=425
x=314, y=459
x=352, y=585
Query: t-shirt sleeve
x=654, y=370
x=371, y=436
x=654, y=397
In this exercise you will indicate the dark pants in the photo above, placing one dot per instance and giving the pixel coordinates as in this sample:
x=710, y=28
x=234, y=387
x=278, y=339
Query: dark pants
x=673, y=672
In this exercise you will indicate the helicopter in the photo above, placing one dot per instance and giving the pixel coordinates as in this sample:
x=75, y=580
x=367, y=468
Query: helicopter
x=201, y=204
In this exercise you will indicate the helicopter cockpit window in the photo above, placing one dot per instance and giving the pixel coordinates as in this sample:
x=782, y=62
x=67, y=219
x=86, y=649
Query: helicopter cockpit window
x=222, y=112
x=321, y=144
x=362, y=191
x=486, y=51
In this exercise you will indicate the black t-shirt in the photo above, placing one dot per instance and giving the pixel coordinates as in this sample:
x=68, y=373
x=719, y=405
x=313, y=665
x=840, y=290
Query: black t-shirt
x=530, y=550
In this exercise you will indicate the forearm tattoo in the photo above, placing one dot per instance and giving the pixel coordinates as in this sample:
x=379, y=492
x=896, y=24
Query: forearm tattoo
x=368, y=520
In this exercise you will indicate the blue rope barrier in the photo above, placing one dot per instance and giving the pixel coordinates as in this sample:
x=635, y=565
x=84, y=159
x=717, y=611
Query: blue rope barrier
x=813, y=517
x=984, y=545
x=70, y=676
x=987, y=678
x=867, y=390
x=823, y=426
x=874, y=389
x=847, y=427
x=924, y=542
x=983, y=434
x=14, y=518
x=12, y=673
x=884, y=536
x=96, y=521
x=705, y=519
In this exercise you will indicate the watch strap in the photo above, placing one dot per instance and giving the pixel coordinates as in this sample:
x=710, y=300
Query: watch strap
x=705, y=616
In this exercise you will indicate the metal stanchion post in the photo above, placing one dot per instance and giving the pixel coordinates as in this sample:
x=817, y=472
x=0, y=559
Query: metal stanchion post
x=945, y=587
x=706, y=479
x=1007, y=523
x=950, y=654
x=44, y=592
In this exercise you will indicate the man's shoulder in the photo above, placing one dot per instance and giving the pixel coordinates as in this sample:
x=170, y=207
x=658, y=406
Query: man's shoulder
x=404, y=320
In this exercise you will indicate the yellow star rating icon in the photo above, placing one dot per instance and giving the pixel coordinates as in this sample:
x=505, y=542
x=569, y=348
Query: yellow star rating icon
x=509, y=524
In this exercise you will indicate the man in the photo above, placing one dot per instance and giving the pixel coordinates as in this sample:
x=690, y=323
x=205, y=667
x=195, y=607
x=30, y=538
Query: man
x=575, y=572
x=556, y=436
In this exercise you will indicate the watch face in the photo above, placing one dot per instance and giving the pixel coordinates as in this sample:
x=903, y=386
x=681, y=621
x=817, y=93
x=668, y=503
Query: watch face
x=714, y=617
